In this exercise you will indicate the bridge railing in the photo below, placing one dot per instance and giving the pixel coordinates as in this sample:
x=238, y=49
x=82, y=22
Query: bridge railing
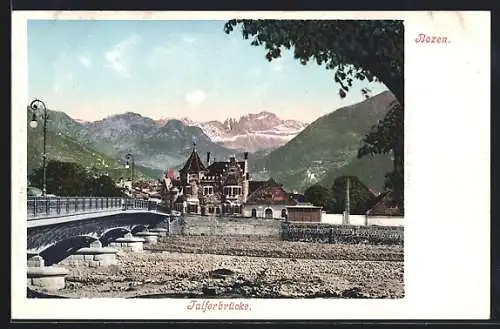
x=40, y=207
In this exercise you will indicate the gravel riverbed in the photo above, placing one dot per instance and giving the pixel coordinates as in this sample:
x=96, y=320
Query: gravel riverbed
x=181, y=266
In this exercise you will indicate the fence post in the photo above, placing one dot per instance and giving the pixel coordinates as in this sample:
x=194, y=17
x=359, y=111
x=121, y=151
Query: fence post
x=34, y=205
x=58, y=206
x=47, y=206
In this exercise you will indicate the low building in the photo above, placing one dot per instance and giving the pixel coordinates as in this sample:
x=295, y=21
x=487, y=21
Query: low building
x=267, y=199
x=304, y=212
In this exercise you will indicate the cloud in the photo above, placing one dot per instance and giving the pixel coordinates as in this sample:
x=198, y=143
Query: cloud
x=62, y=78
x=62, y=74
x=277, y=65
x=85, y=60
x=196, y=97
x=188, y=39
x=117, y=56
x=158, y=56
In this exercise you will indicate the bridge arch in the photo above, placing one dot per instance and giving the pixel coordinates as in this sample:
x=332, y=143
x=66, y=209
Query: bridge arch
x=112, y=234
x=43, y=233
x=58, y=251
x=138, y=228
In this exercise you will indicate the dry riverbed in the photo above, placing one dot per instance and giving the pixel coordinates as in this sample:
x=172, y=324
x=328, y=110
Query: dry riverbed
x=182, y=266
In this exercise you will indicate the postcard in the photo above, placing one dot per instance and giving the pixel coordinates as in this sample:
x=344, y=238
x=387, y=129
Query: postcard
x=250, y=165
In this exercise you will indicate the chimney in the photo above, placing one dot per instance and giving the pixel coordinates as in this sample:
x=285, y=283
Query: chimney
x=246, y=155
x=208, y=158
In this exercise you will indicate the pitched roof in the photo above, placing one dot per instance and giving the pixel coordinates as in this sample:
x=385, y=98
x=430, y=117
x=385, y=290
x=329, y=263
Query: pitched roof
x=216, y=168
x=193, y=163
x=384, y=206
x=254, y=185
x=265, y=191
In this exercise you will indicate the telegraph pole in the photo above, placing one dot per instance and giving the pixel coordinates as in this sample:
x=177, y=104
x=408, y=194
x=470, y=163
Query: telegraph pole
x=347, y=203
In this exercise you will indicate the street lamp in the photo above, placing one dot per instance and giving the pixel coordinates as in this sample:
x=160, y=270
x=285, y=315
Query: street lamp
x=130, y=164
x=37, y=106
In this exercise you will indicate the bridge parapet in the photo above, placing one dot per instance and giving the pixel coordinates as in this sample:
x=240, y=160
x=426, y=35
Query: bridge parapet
x=42, y=207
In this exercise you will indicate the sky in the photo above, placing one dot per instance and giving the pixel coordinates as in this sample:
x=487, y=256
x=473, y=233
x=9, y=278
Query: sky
x=171, y=69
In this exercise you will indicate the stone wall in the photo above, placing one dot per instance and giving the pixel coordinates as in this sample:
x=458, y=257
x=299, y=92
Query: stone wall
x=337, y=219
x=176, y=225
x=327, y=233
x=216, y=226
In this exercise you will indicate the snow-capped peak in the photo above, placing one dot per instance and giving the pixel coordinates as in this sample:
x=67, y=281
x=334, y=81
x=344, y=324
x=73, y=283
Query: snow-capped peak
x=251, y=132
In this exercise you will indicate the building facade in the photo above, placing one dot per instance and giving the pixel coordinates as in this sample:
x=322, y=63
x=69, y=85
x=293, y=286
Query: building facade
x=304, y=213
x=210, y=188
x=267, y=199
x=223, y=188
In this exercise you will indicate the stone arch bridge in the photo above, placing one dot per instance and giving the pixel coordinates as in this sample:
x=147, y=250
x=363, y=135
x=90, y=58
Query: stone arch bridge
x=62, y=225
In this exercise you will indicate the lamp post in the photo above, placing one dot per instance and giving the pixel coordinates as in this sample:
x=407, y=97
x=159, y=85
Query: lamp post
x=130, y=164
x=37, y=106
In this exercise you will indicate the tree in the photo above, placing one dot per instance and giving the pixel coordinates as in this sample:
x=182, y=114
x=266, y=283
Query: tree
x=71, y=179
x=63, y=178
x=102, y=186
x=352, y=49
x=388, y=137
x=360, y=197
x=319, y=196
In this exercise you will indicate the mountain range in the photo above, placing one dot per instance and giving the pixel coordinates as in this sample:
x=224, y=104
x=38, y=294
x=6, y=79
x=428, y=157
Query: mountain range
x=252, y=132
x=328, y=148
x=156, y=144
x=295, y=153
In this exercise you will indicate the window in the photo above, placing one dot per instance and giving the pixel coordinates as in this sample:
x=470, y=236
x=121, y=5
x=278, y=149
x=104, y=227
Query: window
x=208, y=190
x=232, y=190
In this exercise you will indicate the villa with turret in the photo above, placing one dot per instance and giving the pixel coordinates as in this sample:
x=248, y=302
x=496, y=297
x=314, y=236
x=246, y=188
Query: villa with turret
x=224, y=188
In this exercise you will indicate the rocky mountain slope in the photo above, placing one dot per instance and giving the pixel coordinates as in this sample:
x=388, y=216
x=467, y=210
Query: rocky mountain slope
x=294, y=153
x=252, y=132
x=153, y=144
x=63, y=148
x=328, y=148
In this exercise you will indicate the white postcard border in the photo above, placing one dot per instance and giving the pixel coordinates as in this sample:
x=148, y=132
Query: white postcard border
x=447, y=192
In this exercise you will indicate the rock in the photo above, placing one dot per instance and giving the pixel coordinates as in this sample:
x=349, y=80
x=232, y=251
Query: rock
x=221, y=273
x=209, y=291
x=354, y=292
